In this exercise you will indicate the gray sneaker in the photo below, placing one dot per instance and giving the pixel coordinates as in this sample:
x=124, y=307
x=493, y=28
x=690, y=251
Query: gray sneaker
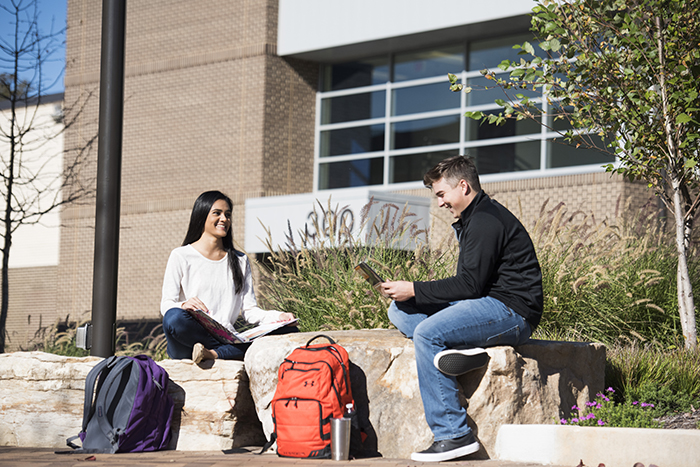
x=456, y=362
x=448, y=449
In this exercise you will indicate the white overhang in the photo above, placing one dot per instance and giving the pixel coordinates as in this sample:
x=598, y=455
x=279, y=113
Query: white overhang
x=339, y=30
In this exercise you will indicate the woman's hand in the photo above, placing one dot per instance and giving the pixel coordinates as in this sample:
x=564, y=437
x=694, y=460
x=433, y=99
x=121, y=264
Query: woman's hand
x=195, y=304
x=287, y=317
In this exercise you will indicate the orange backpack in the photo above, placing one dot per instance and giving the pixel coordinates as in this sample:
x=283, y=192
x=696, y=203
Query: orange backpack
x=313, y=387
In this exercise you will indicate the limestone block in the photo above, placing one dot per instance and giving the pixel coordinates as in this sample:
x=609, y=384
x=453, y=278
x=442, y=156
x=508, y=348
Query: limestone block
x=535, y=383
x=213, y=406
x=41, y=398
x=41, y=402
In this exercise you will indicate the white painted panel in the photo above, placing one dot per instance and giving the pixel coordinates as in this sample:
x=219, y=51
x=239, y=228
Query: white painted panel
x=37, y=245
x=303, y=216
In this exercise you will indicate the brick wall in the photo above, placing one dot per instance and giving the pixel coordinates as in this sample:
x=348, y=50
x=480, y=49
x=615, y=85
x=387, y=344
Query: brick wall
x=208, y=105
x=32, y=305
x=598, y=193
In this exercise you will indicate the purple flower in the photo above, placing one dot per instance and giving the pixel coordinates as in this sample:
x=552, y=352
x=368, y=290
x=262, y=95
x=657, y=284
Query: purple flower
x=590, y=415
x=573, y=407
x=590, y=404
x=562, y=421
x=601, y=422
x=598, y=406
x=644, y=404
x=610, y=389
x=636, y=402
x=574, y=420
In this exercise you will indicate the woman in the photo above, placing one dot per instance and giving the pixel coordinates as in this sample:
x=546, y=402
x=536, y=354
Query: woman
x=207, y=273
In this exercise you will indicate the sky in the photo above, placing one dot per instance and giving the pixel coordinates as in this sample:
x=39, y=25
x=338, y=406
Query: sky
x=49, y=10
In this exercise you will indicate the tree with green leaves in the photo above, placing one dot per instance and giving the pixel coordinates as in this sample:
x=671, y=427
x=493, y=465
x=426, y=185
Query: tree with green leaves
x=620, y=76
x=31, y=185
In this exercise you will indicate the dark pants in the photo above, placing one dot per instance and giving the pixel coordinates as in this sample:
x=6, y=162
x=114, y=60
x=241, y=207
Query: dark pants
x=182, y=332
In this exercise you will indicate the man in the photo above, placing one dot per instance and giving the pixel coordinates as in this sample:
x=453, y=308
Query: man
x=495, y=298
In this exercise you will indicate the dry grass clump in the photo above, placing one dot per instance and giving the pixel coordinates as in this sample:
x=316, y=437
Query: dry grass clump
x=608, y=282
x=59, y=338
x=317, y=282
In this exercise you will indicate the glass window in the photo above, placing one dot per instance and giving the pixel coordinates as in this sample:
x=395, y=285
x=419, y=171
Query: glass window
x=352, y=140
x=346, y=174
x=344, y=131
x=425, y=64
x=512, y=157
x=562, y=154
x=478, y=131
x=559, y=118
x=491, y=52
x=353, y=107
x=412, y=167
x=485, y=92
x=425, y=132
x=424, y=99
x=355, y=74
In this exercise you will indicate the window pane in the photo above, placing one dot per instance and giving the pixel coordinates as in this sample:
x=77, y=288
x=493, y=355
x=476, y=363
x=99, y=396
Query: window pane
x=354, y=107
x=489, y=53
x=424, y=99
x=425, y=132
x=559, y=117
x=348, y=174
x=355, y=74
x=412, y=167
x=507, y=157
x=563, y=155
x=482, y=96
x=352, y=140
x=477, y=130
x=428, y=63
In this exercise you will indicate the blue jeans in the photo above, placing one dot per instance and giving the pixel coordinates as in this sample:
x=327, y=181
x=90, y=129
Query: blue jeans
x=182, y=332
x=482, y=322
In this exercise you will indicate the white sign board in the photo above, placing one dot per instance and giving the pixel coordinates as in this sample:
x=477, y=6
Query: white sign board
x=311, y=218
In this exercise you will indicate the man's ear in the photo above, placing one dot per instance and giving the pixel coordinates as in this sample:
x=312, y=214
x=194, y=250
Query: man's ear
x=466, y=189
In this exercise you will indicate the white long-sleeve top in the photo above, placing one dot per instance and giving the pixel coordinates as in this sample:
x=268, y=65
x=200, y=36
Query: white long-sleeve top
x=190, y=274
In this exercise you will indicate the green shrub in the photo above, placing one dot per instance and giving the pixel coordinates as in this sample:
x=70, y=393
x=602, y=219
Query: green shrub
x=603, y=411
x=669, y=379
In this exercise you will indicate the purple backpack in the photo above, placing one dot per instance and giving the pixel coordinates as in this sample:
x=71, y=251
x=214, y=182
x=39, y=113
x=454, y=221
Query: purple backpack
x=130, y=411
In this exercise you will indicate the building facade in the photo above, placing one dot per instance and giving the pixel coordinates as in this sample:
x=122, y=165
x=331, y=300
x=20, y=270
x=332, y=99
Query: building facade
x=34, y=252
x=270, y=98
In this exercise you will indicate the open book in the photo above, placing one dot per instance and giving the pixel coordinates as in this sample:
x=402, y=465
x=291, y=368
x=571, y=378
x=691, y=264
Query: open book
x=225, y=336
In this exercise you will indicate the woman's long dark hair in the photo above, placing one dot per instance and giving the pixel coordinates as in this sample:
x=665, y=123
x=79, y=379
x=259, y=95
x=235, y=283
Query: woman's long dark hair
x=200, y=211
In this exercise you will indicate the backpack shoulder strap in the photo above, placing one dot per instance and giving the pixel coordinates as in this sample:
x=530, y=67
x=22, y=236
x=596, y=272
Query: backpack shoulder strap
x=101, y=403
x=88, y=407
x=269, y=444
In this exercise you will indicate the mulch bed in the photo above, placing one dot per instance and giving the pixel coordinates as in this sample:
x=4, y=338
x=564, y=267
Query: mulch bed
x=685, y=421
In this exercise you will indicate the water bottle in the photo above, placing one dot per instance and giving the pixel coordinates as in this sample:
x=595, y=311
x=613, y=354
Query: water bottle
x=349, y=411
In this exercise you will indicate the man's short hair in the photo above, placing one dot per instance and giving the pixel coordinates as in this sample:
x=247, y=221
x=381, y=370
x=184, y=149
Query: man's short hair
x=454, y=169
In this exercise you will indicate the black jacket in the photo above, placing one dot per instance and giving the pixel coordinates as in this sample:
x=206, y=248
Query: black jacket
x=496, y=259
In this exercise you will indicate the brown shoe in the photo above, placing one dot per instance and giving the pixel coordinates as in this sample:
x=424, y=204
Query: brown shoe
x=197, y=353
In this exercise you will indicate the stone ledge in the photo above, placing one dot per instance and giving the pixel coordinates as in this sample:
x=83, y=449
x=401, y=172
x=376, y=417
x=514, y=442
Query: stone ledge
x=41, y=402
x=569, y=445
x=41, y=395
x=536, y=383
